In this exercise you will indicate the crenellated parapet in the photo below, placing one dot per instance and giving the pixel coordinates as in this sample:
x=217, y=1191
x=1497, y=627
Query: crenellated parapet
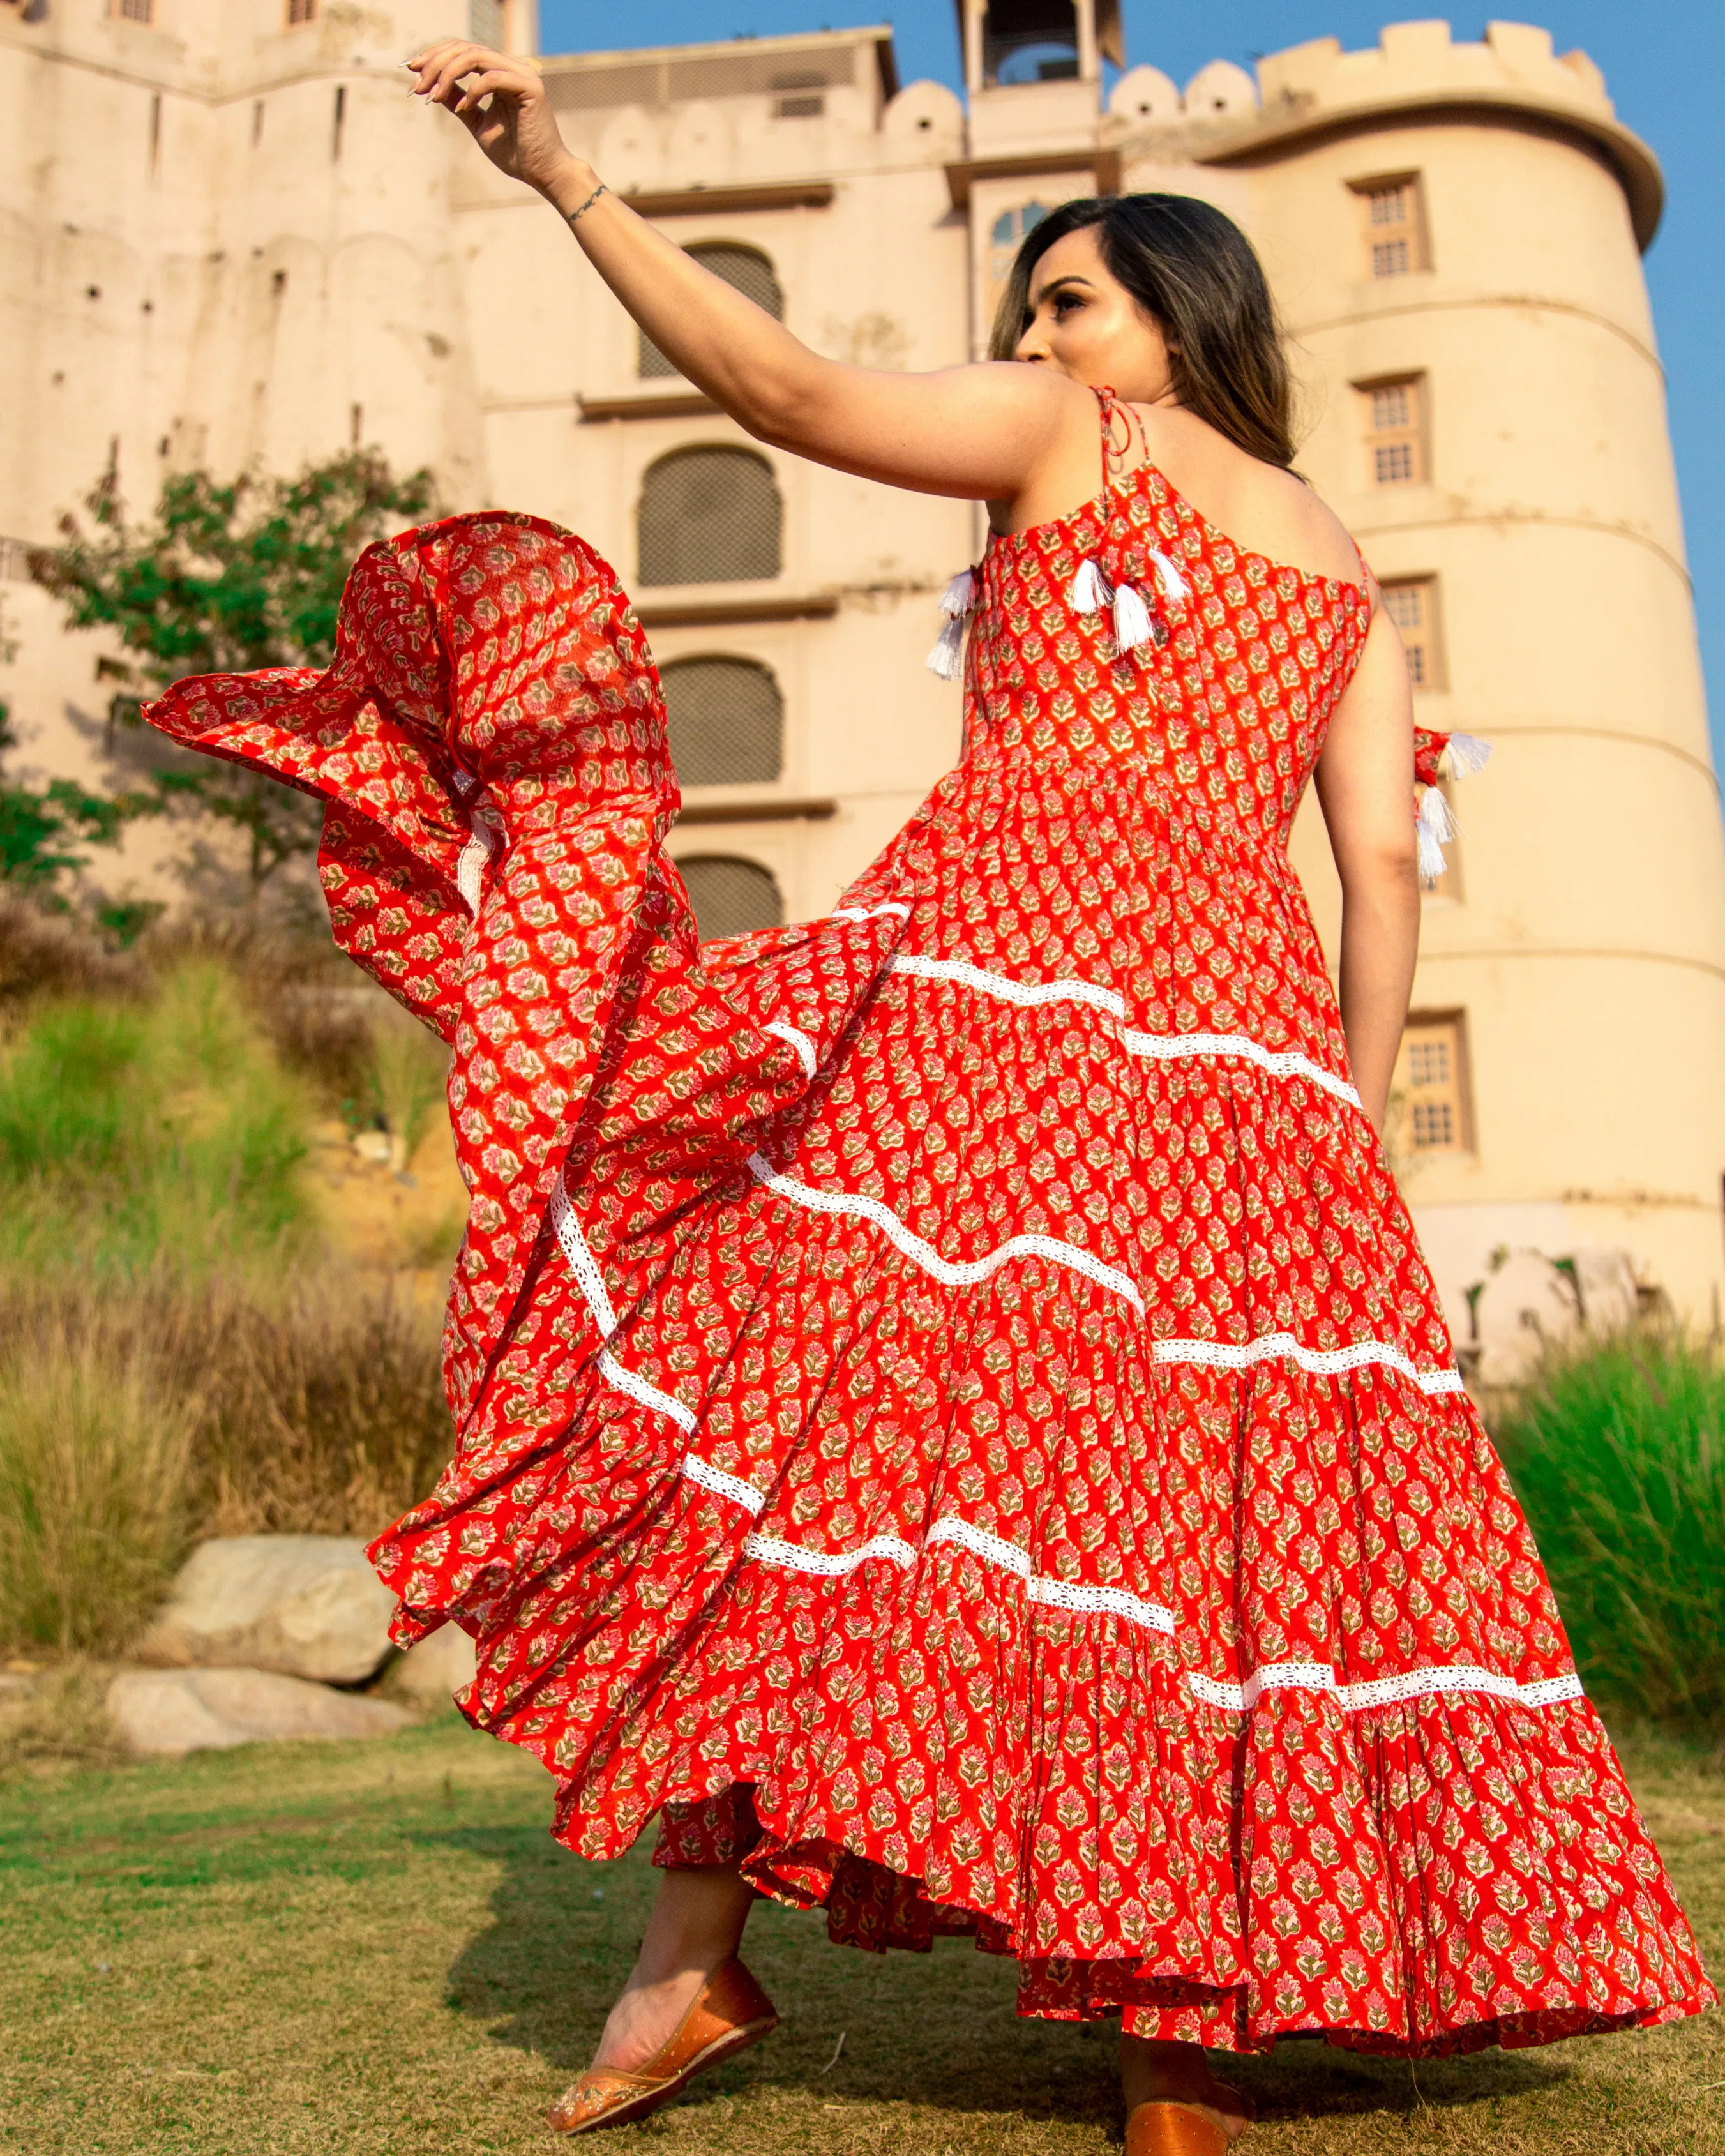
x=1416, y=70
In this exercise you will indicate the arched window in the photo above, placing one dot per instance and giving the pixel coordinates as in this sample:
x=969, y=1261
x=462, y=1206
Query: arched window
x=1009, y=229
x=726, y=720
x=730, y=897
x=751, y=273
x=708, y=516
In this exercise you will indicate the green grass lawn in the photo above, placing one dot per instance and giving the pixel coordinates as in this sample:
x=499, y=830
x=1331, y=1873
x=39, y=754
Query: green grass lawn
x=377, y=1948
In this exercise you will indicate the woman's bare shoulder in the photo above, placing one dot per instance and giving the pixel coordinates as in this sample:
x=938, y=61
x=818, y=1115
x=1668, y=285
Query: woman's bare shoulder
x=1262, y=508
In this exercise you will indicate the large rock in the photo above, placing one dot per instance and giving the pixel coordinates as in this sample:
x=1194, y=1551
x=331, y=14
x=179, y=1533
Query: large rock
x=1526, y=1307
x=305, y=1605
x=433, y=1672
x=181, y=1711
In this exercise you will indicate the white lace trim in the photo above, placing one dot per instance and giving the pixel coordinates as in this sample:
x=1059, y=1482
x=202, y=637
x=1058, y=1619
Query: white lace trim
x=1380, y=1691
x=1028, y=993
x=830, y=1564
x=978, y=1541
x=925, y=1255
x=869, y=912
x=724, y=1485
x=1073, y=1594
x=592, y=1283
x=1322, y=1362
x=1154, y=1616
x=1281, y=1063
x=1217, y=1353
x=1159, y=1047
x=587, y=1276
x=799, y=1041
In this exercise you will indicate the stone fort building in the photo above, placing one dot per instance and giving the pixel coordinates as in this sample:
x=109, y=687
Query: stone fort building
x=229, y=236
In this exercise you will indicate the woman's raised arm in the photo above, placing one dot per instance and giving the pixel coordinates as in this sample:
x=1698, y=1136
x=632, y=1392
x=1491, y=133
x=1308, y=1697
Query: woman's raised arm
x=980, y=433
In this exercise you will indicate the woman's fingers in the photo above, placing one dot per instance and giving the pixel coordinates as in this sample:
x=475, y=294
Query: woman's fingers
x=481, y=85
x=441, y=68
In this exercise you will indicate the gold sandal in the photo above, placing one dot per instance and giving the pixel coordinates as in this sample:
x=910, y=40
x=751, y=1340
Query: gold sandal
x=1173, y=2129
x=729, y=2013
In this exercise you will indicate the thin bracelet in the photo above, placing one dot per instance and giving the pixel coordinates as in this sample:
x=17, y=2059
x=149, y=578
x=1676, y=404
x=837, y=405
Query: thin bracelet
x=575, y=216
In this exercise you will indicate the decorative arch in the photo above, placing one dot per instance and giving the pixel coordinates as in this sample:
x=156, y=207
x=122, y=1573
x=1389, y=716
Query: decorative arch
x=731, y=896
x=709, y=516
x=726, y=720
x=745, y=269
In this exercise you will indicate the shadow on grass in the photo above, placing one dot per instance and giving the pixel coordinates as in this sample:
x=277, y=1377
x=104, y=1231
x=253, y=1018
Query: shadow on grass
x=938, y=2030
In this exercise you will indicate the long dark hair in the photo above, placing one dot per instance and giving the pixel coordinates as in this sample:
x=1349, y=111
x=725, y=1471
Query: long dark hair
x=1193, y=269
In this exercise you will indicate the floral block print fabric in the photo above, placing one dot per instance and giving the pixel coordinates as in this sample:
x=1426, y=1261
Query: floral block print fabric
x=953, y=1414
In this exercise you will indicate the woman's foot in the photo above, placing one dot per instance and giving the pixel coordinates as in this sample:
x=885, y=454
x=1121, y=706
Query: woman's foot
x=689, y=2003
x=1153, y=2072
x=696, y=1925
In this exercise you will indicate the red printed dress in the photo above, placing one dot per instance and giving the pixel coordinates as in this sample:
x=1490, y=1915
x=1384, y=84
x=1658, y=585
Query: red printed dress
x=951, y=1411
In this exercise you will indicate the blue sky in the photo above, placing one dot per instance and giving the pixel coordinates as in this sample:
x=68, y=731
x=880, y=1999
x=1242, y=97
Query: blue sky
x=1664, y=63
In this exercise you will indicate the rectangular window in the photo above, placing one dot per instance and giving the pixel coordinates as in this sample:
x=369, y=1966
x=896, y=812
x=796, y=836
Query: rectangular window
x=1412, y=604
x=1394, y=450
x=485, y=23
x=133, y=11
x=1394, y=225
x=301, y=11
x=1431, y=1080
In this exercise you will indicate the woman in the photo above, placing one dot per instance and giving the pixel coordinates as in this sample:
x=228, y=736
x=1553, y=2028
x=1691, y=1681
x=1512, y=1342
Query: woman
x=952, y=1416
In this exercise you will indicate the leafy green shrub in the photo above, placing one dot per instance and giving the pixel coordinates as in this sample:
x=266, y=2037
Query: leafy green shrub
x=93, y=1458
x=1618, y=1457
x=127, y=1130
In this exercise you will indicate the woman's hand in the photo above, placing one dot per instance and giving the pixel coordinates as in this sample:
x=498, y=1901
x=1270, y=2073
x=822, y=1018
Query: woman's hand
x=972, y=432
x=502, y=104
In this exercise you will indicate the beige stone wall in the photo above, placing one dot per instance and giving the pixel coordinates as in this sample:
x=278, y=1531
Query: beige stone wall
x=197, y=284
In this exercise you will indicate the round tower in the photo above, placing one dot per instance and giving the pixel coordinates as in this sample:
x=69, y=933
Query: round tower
x=1455, y=233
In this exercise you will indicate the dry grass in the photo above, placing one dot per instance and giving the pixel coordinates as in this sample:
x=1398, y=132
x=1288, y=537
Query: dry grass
x=293, y=1950
x=95, y=1454
x=57, y=1720
x=137, y=1421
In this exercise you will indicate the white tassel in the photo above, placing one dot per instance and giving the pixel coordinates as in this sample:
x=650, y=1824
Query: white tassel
x=1090, y=589
x=1467, y=753
x=1132, y=618
x=955, y=603
x=1435, y=828
x=960, y=595
x=948, y=650
x=1169, y=581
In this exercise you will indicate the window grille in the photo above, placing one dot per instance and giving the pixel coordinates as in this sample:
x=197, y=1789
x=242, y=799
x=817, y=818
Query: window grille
x=484, y=22
x=730, y=897
x=1393, y=424
x=709, y=516
x=133, y=11
x=1394, y=227
x=745, y=269
x=1411, y=603
x=801, y=96
x=1431, y=1077
x=726, y=720
x=300, y=11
